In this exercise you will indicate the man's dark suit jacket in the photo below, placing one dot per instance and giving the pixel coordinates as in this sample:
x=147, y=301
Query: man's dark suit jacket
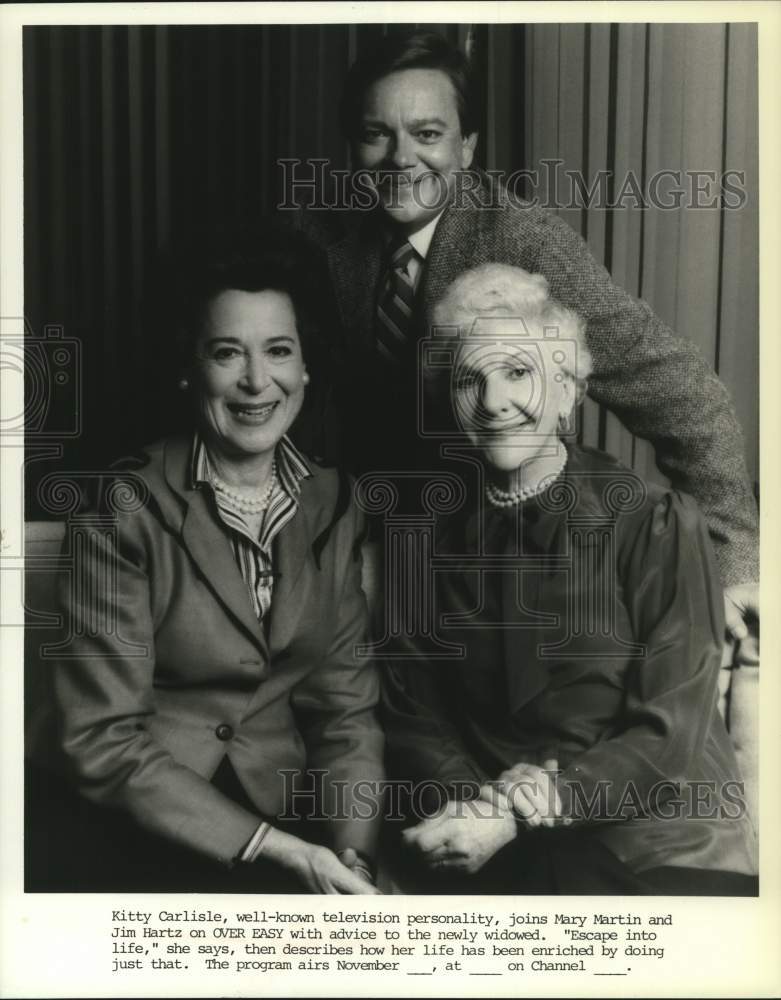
x=149, y=709
x=658, y=385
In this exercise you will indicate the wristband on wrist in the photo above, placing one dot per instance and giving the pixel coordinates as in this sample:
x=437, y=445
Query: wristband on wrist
x=255, y=844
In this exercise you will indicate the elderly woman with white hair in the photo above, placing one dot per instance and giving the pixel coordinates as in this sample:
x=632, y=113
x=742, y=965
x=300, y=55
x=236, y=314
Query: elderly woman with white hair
x=573, y=734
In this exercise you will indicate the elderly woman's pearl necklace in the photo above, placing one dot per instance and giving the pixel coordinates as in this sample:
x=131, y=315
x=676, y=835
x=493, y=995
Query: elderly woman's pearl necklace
x=246, y=503
x=511, y=498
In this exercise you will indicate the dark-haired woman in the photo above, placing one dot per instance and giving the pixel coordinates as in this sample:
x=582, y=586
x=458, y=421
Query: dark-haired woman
x=190, y=730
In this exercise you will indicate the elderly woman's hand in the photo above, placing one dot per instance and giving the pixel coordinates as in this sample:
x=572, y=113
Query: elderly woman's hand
x=463, y=836
x=531, y=793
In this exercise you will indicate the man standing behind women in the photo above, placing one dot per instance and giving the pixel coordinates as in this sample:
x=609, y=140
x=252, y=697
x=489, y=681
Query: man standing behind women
x=409, y=111
x=223, y=670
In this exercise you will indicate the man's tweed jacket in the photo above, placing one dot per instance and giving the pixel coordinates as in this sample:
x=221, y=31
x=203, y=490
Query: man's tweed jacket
x=657, y=384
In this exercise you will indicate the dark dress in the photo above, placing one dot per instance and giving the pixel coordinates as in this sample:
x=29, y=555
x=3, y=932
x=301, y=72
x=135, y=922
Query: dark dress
x=590, y=626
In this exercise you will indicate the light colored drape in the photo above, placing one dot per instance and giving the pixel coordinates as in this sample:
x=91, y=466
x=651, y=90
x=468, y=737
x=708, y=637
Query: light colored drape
x=646, y=98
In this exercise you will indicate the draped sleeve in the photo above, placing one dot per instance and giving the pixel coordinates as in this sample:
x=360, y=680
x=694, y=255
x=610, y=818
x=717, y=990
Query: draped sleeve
x=670, y=586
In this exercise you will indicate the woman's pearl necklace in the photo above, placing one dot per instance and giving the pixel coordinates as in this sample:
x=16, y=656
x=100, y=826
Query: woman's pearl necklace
x=511, y=498
x=246, y=503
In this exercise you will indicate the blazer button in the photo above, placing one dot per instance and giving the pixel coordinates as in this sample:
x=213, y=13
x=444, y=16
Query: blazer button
x=224, y=732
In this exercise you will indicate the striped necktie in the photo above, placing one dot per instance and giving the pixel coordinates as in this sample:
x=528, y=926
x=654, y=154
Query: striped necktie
x=394, y=310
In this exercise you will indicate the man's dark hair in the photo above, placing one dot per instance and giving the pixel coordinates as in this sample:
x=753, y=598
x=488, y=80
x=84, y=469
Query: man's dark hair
x=418, y=50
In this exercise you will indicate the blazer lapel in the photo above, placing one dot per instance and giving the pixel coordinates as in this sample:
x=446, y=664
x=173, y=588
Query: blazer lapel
x=450, y=253
x=292, y=548
x=211, y=550
x=354, y=265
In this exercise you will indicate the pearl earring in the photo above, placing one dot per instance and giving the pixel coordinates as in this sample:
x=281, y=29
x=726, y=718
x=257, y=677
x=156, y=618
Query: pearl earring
x=184, y=384
x=305, y=378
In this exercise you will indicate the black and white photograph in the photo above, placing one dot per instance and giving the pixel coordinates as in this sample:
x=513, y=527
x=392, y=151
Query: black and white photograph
x=385, y=440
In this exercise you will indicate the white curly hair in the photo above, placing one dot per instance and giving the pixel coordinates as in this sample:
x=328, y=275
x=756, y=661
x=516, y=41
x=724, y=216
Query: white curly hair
x=501, y=291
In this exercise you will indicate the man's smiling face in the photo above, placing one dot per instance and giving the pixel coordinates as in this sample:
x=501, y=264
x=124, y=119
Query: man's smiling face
x=411, y=133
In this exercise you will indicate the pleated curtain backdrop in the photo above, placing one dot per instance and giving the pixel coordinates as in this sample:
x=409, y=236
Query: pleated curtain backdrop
x=132, y=134
x=642, y=99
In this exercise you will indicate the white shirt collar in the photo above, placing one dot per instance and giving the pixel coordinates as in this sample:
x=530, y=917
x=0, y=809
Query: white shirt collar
x=421, y=240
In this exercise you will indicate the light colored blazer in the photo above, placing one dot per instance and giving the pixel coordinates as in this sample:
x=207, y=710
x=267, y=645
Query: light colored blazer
x=189, y=675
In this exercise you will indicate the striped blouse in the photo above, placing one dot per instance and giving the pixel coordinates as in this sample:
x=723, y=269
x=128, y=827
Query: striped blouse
x=253, y=552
